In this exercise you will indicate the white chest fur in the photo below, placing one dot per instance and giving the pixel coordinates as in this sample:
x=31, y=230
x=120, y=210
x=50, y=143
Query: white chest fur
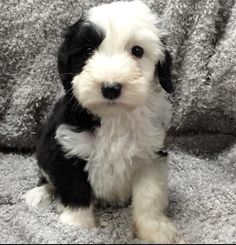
x=118, y=147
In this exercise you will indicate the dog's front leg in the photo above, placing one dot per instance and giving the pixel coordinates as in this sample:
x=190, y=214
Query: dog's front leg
x=149, y=201
x=70, y=181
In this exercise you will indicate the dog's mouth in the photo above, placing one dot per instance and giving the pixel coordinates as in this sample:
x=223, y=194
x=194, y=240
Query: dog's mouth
x=112, y=103
x=110, y=108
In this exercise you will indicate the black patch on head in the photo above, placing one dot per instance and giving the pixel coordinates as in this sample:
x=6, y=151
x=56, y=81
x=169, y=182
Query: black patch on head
x=163, y=71
x=81, y=39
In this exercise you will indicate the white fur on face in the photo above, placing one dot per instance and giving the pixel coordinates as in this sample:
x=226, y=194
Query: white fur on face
x=113, y=61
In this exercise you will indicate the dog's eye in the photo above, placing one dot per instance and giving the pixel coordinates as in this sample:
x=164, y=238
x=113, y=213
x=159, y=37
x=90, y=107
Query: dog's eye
x=88, y=51
x=137, y=51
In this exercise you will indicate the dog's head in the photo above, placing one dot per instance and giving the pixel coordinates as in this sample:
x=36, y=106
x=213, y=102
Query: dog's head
x=113, y=58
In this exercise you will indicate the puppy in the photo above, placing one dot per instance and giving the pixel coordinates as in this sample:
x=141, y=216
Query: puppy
x=103, y=139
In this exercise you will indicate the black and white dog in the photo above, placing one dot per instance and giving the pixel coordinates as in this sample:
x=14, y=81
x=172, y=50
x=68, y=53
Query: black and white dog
x=103, y=139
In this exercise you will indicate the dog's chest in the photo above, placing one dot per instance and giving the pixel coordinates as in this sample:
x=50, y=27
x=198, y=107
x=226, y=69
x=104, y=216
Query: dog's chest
x=119, y=146
x=117, y=149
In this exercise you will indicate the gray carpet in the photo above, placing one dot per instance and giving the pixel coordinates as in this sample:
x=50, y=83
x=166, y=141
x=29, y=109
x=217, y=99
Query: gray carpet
x=202, y=185
x=202, y=199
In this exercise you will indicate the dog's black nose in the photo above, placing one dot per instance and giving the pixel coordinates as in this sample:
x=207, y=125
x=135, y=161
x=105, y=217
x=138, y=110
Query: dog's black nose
x=111, y=91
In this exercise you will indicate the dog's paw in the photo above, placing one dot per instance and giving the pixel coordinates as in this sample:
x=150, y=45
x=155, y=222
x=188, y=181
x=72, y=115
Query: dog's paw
x=160, y=230
x=83, y=217
x=39, y=196
x=74, y=143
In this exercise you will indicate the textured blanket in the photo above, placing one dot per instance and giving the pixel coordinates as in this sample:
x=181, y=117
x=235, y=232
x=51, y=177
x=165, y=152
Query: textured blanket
x=202, y=40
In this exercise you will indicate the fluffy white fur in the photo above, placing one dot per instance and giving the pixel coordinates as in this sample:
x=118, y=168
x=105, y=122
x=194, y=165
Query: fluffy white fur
x=40, y=196
x=113, y=61
x=120, y=146
x=69, y=141
x=83, y=217
x=122, y=163
x=149, y=201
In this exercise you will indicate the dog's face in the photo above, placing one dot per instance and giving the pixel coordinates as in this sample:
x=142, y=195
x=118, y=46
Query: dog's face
x=113, y=58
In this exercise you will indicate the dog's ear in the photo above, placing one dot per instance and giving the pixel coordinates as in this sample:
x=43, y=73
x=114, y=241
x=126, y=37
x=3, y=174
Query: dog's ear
x=163, y=71
x=63, y=55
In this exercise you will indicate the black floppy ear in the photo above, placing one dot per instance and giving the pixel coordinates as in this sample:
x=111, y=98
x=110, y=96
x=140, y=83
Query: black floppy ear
x=63, y=59
x=163, y=71
x=62, y=63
